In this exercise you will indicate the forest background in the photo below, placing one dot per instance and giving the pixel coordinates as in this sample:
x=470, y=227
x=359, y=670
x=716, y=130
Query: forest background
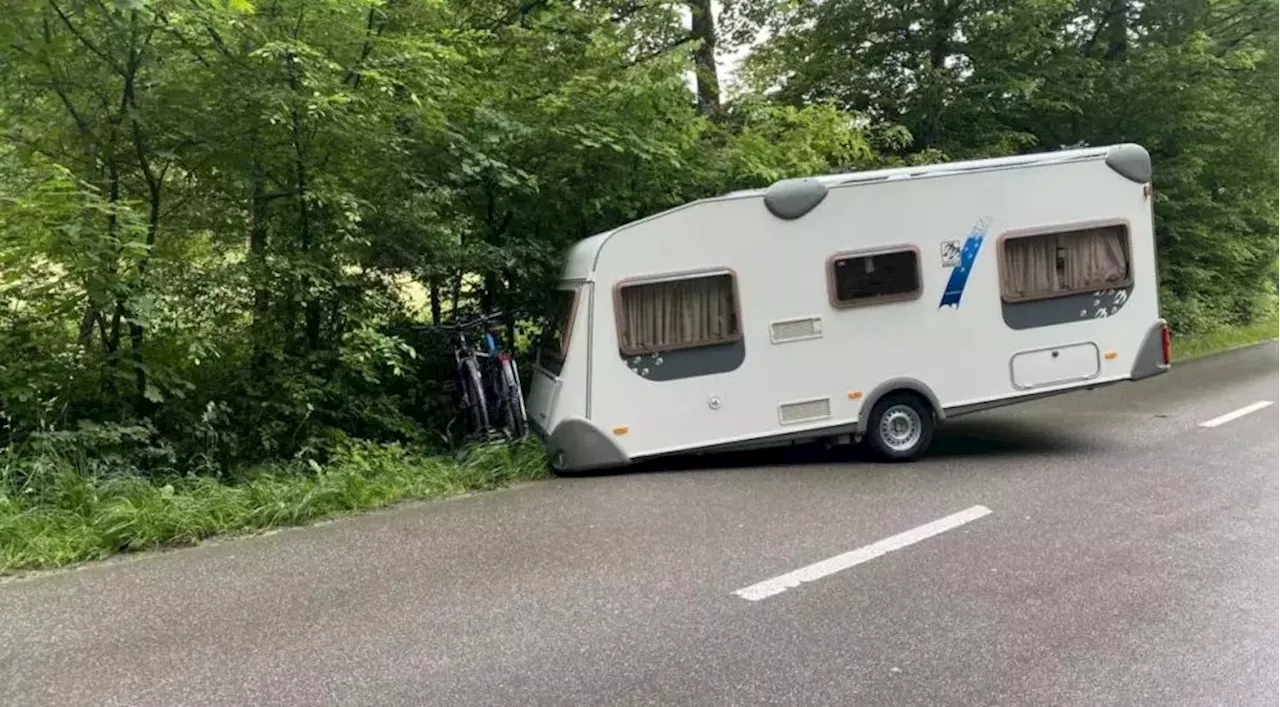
x=225, y=223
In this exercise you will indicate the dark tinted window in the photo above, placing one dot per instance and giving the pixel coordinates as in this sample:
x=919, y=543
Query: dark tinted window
x=555, y=338
x=862, y=277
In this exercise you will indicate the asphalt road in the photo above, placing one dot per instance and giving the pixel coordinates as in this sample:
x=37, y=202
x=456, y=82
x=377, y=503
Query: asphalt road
x=1129, y=558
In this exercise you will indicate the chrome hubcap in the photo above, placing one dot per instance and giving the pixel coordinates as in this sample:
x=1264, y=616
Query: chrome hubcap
x=900, y=428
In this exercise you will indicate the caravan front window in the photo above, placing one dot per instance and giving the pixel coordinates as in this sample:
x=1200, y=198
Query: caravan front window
x=1062, y=262
x=555, y=338
x=862, y=278
x=680, y=312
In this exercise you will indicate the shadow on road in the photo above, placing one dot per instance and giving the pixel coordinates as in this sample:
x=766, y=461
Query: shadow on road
x=977, y=436
x=1000, y=436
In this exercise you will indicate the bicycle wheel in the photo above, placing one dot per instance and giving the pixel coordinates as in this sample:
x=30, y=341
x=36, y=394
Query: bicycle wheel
x=513, y=401
x=474, y=396
x=519, y=398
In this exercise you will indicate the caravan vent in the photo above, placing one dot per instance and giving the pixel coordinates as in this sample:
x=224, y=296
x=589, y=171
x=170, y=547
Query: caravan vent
x=788, y=330
x=804, y=411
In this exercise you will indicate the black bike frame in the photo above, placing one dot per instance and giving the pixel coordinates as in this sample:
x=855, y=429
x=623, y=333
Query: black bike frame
x=490, y=382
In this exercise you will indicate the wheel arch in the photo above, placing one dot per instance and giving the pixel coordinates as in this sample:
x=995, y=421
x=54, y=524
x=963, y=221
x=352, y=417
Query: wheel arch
x=896, y=385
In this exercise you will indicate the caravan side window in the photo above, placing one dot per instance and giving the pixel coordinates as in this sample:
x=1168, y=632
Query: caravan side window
x=680, y=312
x=858, y=279
x=1064, y=262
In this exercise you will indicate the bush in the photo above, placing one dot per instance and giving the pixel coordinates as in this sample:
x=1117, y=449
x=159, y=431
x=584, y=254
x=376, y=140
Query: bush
x=60, y=505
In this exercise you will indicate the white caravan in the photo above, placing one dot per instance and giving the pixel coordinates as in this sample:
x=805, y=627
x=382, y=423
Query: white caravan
x=867, y=306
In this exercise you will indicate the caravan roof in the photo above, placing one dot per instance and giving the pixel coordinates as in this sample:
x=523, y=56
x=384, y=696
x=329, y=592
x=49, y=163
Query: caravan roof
x=1039, y=158
x=581, y=258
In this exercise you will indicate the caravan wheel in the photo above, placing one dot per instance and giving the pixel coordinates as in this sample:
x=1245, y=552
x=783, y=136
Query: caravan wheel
x=900, y=428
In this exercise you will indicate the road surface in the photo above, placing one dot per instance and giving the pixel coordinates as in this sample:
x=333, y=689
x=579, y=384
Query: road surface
x=1111, y=549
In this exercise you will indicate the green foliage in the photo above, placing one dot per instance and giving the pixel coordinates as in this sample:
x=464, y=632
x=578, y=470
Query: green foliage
x=215, y=208
x=223, y=222
x=1192, y=80
x=1225, y=337
x=58, y=507
x=213, y=215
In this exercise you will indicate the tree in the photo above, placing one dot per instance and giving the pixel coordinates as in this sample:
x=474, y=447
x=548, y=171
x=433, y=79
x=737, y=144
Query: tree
x=1189, y=79
x=232, y=197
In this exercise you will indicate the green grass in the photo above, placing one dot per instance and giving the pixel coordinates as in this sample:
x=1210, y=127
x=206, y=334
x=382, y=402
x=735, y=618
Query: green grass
x=55, y=511
x=1203, y=344
x=60, y=515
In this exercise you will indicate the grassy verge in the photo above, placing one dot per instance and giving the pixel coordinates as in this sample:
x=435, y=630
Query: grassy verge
x=1203, y=344
x=53, y=513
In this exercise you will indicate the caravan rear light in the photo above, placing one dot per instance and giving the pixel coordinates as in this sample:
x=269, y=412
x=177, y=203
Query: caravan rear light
x=1166, y=344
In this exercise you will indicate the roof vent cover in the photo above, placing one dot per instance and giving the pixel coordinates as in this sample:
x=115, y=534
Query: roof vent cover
x=790, y=199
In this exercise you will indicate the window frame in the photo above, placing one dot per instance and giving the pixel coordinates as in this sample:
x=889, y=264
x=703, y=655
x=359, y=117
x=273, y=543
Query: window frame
x=1058, y=229
x=619, y=317
x=833, y=292
x=566, y=336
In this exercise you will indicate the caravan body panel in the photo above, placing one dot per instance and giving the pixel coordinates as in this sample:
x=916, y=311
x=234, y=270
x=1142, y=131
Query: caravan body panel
x=805, y=364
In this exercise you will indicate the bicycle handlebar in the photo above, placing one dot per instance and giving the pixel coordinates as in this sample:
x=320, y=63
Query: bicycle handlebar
x=468, y=325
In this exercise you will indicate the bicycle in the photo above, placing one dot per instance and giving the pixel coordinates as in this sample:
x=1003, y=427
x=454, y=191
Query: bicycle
x=501, y=385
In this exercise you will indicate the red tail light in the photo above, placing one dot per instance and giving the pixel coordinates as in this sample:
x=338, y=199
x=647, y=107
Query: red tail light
x=1166, y=344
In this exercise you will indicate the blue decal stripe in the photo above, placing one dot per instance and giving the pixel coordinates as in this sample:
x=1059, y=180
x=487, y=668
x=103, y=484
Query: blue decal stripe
x=960, y=273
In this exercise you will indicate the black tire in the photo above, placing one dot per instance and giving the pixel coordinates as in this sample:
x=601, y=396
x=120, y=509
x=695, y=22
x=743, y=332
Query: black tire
x=512, y=402
x=515, y=425
x=900, y=428
x=466, y=401
x=474, y=397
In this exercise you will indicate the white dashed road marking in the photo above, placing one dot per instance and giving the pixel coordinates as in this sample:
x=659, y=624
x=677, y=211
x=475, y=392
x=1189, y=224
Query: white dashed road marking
x=1235, y=414
x=818, y=570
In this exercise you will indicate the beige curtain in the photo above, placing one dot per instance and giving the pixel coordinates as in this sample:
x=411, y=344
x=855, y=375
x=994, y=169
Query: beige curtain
x=1065, y=262
x=1030, y=266
x=1094, y=259
x=667, y=315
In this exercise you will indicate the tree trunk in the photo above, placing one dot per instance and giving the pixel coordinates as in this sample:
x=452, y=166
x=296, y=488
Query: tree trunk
x=509, y=307
x=945, y=16
x=457, y=294
x=488, y=294
x=703, y=28
x=85, y=335
x=113, y=237
x=135, y=328
x=433, y=288
x=1118, y=29
x=155, y=186
x=311, y=306
x=258, y=236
